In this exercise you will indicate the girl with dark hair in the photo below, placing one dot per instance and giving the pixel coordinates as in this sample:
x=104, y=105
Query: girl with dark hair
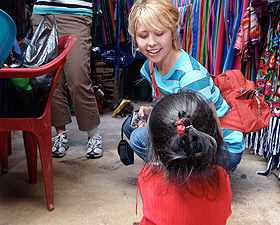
x=182, y=183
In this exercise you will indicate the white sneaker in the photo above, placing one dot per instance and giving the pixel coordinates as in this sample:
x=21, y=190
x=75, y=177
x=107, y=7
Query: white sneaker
x=60, y=145
x=94, y=148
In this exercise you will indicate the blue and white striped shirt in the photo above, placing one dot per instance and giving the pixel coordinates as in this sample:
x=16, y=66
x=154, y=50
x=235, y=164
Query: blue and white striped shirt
x=187, y=73
x=77, y=7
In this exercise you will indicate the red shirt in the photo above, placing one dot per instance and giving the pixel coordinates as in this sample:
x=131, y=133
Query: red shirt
x=165, y=206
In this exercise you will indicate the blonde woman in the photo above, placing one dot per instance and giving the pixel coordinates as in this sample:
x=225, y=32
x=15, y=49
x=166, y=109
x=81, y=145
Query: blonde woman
x=153, y=25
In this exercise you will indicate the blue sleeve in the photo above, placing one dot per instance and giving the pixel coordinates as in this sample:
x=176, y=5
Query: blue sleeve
x=198, y=81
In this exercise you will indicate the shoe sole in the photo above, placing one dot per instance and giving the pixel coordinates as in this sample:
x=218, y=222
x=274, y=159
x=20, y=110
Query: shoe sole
x=60, y=156
x=94, y=156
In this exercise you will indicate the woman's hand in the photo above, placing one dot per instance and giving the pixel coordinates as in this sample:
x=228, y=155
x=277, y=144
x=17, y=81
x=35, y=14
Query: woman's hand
x=144, y=111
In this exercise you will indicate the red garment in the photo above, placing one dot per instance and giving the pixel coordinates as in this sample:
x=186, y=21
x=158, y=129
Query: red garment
x=165, y=206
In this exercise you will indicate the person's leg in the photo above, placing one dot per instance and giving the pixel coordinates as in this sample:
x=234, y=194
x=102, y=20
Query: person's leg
x=60, y=112
x=77, y=70
x=138, y=138
x=94, y=147
x=233, y=150
x=235, y=159
x=139, y=142
x=78, y=81
x=229, y=160
x=61, y=116
x=127, y=129
x=60, y=144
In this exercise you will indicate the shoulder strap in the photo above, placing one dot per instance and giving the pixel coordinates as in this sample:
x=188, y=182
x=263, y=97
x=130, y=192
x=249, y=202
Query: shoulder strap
x=129, y=117
x=122, y=130
x=151, y=67
x=157, y=93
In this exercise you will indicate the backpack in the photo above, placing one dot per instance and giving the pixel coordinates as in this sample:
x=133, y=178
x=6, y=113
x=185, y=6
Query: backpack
x=124, y=150
x=249, y=111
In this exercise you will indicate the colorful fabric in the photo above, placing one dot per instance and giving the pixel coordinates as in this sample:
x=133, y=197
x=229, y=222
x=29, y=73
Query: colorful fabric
x=248, y=34
x=228, y=64
x=110, y=19
x=204, y=25
x=255, y=33
x=163, y=204
x=266, y=141
x=243, y=36
x=268, y=74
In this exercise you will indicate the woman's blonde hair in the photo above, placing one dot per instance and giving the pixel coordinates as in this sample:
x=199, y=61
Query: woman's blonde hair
x=155, y=15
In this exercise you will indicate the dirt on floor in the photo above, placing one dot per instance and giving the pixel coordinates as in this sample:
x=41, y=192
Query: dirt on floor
x=103, y=191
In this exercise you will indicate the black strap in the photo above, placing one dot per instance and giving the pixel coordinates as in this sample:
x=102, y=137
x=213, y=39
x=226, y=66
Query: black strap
x=123, y=125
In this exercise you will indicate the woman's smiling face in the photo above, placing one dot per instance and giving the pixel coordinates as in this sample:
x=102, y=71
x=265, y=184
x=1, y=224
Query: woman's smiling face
x=155, y=45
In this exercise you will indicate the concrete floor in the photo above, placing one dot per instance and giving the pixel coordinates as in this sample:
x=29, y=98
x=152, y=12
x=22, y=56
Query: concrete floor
x=103, y=191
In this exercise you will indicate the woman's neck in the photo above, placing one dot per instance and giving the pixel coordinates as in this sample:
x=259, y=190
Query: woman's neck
x=166, y=65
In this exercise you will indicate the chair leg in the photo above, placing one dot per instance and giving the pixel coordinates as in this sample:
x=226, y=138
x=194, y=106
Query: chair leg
x=45, y=149
x=9, y=143
x=4, y=151
x=30, y=144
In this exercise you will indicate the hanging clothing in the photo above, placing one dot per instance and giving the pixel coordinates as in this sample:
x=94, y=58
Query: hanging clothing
x=248, y=34
x=266, y=141
x=111, y=19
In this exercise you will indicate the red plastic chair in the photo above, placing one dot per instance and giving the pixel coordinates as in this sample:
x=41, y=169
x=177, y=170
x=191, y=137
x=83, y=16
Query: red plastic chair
x=36, y=131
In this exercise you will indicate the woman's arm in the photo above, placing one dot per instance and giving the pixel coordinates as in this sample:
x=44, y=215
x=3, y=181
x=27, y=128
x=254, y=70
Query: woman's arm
x=217, y=118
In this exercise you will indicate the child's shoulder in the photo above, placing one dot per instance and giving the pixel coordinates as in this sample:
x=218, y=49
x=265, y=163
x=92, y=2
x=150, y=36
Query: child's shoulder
x=148, y=171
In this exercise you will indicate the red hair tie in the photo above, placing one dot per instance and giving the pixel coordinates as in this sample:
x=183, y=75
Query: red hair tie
x=180, y=127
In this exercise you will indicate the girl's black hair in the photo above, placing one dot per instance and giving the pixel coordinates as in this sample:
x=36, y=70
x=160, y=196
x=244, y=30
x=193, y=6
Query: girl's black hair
x=188, y=158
